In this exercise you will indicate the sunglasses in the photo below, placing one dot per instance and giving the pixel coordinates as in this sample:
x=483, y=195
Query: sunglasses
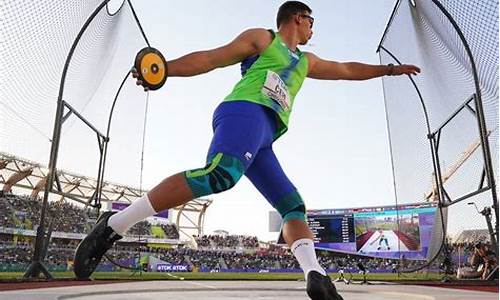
x=311, y=19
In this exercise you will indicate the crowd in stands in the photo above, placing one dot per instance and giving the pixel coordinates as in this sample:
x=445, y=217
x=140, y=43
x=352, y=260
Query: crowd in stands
x=18, y=251
x=61, y=251
x=170, y=231
x=203, y=259
x=223, y=242
x=140, y=229
x=17, y=211
x=255, y=261
x=214, y=252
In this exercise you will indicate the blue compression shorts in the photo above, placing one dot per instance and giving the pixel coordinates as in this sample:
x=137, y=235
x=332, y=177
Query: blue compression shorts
x=245, y=131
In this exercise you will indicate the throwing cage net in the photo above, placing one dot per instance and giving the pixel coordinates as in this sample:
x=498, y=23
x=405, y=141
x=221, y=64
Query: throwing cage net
x=443, y=123
x=66, y=93
x=36, y=39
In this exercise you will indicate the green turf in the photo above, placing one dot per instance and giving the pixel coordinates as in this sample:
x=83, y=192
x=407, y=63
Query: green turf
x=223, y=276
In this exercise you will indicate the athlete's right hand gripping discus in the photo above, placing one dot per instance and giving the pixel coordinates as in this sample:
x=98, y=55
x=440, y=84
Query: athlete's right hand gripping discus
x=150, y=69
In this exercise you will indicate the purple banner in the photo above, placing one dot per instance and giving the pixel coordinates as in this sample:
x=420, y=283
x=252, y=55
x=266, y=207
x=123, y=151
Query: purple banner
x=123, y=205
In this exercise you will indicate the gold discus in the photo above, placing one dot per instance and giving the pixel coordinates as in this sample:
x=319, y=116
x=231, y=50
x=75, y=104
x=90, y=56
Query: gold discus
x=151, y=67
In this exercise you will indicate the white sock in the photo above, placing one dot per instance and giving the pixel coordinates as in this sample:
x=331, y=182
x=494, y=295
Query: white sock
x=135, y=212
x=303, y=250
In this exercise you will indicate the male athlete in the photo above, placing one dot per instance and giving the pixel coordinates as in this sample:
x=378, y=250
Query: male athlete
x=381, y=239
x=245, y=124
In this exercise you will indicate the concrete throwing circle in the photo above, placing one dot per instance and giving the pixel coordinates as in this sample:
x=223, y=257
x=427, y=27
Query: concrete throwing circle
x=239, y=289
x=235, y=293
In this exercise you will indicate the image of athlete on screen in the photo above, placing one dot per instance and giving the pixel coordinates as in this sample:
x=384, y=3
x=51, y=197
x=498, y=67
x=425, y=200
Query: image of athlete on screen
x=387, y=233
x=382, y=238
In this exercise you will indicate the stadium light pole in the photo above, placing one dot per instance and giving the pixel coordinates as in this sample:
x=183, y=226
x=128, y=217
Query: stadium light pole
x=42, y=238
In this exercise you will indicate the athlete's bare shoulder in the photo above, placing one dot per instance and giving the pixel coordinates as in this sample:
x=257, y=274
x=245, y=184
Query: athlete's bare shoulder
x=259, y=37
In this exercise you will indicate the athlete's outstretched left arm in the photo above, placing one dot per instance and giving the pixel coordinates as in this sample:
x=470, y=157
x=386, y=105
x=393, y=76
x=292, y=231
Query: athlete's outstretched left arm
x=332, y=70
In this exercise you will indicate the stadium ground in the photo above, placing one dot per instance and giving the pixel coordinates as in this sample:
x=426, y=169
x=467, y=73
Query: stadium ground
x=238, y=289
x=13, y=280
x=224, y=276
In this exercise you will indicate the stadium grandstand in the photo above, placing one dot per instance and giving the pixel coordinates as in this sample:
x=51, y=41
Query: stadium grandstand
x=156, y=247
x=162, y=244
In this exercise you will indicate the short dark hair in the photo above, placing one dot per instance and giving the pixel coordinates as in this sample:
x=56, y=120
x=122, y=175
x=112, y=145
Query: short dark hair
x=288, y=9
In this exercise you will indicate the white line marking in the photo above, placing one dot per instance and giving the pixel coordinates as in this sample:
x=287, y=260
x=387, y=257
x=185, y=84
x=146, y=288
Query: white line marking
x=201, y=284
x=176, y=277
x=407, y=296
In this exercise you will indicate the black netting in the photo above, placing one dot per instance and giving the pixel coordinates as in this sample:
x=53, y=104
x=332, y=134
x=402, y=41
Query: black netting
x=36, y=37
x=422, y=34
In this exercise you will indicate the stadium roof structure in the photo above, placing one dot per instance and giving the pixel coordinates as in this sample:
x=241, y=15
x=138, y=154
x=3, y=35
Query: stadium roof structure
x=25, y=174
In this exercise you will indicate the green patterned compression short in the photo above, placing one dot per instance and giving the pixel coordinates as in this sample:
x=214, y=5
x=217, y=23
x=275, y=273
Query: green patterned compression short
x=220, y=174
x=291, y=207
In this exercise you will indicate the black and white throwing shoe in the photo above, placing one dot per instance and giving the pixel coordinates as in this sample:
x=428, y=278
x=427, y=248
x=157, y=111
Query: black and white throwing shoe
x=320, y=287
x=91, y=249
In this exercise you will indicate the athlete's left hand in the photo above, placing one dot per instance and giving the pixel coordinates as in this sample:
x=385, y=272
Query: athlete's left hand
x=405, y=70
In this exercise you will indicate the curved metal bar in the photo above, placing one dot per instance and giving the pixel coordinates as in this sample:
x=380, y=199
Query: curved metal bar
x=114, y=103
x=138, y=23
x=117, y=11
x=435, y=163
x=416, y=88
x=389, y=23
x=102, y=162
x=430, y=135
x=114, y=262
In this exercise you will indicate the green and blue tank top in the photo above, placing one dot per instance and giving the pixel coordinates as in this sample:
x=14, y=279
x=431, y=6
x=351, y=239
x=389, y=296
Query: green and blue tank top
x=272, y=79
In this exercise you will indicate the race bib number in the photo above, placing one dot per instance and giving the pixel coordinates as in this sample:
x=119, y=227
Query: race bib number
x=277, y=90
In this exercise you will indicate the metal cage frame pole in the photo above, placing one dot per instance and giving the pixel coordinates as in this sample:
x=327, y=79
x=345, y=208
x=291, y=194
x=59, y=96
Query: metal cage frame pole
x=36, y=267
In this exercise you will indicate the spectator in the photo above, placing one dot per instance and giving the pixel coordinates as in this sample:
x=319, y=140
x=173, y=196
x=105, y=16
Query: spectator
x=481, y=263
x=23, y=212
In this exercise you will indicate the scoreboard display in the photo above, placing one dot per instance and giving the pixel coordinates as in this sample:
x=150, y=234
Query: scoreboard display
x=386, y=231
x=332, y=228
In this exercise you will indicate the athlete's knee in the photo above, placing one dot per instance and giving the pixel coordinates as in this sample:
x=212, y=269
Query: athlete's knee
x=220, y=174
x=297, y=213
x=291, y=207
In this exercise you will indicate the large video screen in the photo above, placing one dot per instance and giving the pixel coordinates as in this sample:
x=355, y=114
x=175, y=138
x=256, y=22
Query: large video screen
x=387, y=232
